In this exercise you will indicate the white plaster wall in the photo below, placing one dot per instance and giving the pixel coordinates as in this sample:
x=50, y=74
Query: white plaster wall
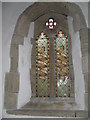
x=77, y=64
x=11, y=12
x=0, y=60
x=24, y=69
x=89, y=15
x=45, y=0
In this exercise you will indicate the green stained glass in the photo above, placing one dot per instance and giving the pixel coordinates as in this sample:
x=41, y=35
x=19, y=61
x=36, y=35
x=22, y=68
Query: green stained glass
x=42, y=66
x=62, y=66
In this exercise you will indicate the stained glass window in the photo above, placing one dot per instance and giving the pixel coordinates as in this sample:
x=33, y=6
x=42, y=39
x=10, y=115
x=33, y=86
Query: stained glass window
x=42, y=66
x=51, y=23
x=62, y=66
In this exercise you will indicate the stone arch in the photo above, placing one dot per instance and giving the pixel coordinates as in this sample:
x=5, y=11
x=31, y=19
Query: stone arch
x=31, y=14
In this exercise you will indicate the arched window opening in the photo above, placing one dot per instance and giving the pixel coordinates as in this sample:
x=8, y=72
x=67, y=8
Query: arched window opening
x=52, y=83
x=62, y=84
x=62, y=66
x=42, y=66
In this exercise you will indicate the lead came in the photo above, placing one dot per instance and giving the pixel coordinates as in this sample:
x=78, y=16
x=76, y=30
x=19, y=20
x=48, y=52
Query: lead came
x=42, y=66
x=61, y=66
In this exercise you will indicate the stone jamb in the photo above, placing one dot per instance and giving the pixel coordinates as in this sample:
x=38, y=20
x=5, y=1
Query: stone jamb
x=22, y=28
x=33, y=67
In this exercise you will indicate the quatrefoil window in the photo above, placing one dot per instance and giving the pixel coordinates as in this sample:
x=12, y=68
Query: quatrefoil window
x=51, y=23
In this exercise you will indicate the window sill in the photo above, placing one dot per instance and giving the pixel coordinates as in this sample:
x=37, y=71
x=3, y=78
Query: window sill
x=52, y=100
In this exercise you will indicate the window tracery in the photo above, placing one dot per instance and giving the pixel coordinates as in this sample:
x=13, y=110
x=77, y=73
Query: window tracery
x=51, y=23
x=63, y=83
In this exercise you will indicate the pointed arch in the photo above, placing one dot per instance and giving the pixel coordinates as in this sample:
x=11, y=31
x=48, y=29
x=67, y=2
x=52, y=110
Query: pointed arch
x=31, y=14
x=42, y=66
x=62, y=65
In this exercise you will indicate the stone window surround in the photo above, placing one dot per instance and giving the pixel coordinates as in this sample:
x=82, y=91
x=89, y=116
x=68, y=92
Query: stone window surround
x=21, y=31
x=51, y=34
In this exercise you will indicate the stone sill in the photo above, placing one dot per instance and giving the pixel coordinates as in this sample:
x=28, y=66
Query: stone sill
x=52, y=100
x=50, y=107
x=50, y=113
x=51, y=104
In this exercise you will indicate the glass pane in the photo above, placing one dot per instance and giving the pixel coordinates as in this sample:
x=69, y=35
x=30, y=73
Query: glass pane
x=42, y=66
x=62, y=66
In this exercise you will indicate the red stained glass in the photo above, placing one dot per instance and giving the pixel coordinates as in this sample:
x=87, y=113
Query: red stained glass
x=51, y=23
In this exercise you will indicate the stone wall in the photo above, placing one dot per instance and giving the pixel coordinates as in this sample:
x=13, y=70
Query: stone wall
x=21, y=31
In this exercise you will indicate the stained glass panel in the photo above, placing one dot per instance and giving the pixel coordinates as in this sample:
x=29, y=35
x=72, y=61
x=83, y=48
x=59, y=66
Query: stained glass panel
x=42, y=66
x=51, y=23
x=62, y=66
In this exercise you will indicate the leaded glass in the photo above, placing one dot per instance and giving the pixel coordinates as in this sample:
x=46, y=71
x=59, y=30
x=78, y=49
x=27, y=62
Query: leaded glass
x=62, y=66
x=51, y=23
x=42, y=66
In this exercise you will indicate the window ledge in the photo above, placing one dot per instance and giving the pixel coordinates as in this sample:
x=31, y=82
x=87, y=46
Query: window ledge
x=52, y=100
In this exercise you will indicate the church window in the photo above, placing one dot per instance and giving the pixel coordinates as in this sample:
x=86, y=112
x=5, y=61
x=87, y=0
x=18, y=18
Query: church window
x=62, y=66
x=51, y=23
x=42, y=66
